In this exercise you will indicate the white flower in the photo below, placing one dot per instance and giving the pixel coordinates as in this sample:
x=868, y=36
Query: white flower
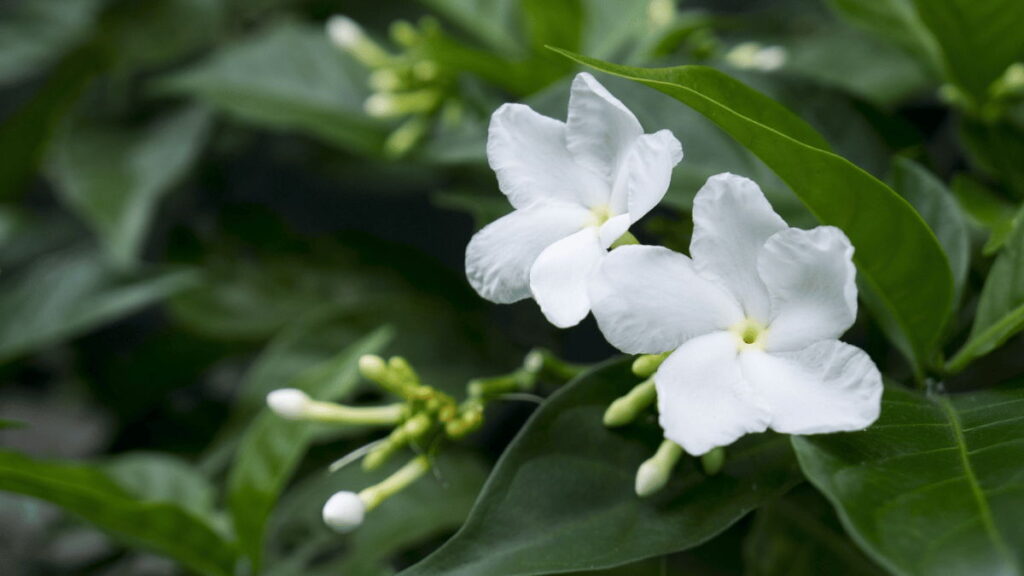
x=576, y=187
x=752, y=320
x=344, y=511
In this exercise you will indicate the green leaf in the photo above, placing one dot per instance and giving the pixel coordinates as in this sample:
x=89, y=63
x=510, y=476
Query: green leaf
x=979, y=39
x=152, y=524
x=986, y=210
x=491, y=22
x=157, y=32
x=114, y=179
x=288, y=77
x=934, y=202
x=36, y=33
x=800, y=535
x=912, y=285
x=1000, y=312
x=163, y=478
x=69, y=293
x=272, y=446
x=561, y=497
x=934, y=487
x=896, y=21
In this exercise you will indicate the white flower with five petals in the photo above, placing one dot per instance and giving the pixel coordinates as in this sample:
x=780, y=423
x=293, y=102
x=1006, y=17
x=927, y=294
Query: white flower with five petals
x=576, y=187
x=752, y=322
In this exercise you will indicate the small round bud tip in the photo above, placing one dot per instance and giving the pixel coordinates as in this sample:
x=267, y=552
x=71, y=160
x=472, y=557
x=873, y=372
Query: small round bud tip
x=344, y=31
x=289, y=403
x=372, y=367
x=650, y=477
x=344, y=512
x=618, y=414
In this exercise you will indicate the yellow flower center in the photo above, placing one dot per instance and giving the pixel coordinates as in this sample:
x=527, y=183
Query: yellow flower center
x=600, y=214
x=750, y=333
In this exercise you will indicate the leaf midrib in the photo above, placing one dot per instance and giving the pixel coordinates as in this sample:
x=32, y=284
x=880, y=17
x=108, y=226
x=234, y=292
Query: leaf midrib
x=984, y=509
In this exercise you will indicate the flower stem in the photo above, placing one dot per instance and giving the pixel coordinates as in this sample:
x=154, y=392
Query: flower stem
x=329, y=412
x=406, y=475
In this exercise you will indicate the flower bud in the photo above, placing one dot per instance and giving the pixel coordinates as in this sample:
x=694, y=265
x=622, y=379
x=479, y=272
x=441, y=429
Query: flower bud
x=344, y=32
x=647, y=364
x=373, y=367
x=713, y=461
x=344, y=512
x=624, y=410
x=654, y=473
x=289, y=403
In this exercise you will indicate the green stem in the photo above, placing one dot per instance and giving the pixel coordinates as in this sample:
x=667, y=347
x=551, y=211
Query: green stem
x=406, y=475
x=331, y=413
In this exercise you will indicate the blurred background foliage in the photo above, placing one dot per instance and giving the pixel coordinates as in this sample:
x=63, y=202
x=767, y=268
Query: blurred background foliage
x=204, y=200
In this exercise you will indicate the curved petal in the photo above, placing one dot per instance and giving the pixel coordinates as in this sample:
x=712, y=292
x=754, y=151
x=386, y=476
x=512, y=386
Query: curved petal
x=499, y=257
x=811, y=279
x=558, y=279
x=613, y=229
x=528, y=153
x=703, y=400
x=829, y=386
x=731, y=222
x=645, y=174
x=599, y=128
x=649, y=299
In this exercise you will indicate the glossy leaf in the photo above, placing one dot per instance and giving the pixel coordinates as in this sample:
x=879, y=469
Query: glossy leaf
x=909, y=284
x=986, y=210
x=939, y=209
x=35, y=34
x=934, y=486
x=69, y=293
x=800, y=535
x=1000, y=312
x=897, y=21
x=114, y=179
x=562, y=496
x=163, y=478
x=151, y=523
x=288, y=77
x=272, y=446
x=979, y=39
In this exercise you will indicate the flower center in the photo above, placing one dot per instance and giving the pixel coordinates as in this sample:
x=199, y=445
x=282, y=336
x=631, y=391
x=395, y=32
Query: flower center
x=600, y=214
x=750, y=333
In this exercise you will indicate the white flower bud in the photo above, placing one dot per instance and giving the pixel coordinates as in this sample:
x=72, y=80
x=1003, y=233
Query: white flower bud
x=372, y=367
x=650, y=477
x=289, y=403
x=344, y=512
x=344, y=32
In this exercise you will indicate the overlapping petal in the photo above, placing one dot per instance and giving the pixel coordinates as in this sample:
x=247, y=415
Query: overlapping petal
x=559, y=277
x=645, y=173
x=829, y=386
x=499, y=257
x=649, y=299
x=732, y=220
x=811, y=280
x=528, y=153
x=599, y=129
x=703, y=399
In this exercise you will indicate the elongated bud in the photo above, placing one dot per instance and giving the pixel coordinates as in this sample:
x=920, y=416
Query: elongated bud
x=404, y=33
x=625, y=409
x=344, y=512
x=289, y=403
x=347, y=34
x=713, y=461
x=654, y=473
x=373, y=496
x=646, y=365
x=386, y=80
x=390, y=105
x=373, y=367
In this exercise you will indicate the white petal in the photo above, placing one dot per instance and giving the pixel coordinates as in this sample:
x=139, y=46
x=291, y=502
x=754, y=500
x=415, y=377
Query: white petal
x=731, y=222
x=649, y=299
x=600, y=128
x=614, y=228
x=703, y=400
x=499, y=257
x=559, y=277
x=645, y=173
x=528, y=153
x=829, y=386
x=811, y=279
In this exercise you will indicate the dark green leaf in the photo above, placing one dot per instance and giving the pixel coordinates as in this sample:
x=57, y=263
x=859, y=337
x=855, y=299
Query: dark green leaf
x=897, y=21
x=561, y=498
x=149, y=523
x=910, y=284
x=288, y=77
x=272, y=446
x=800, y=535
x=114, y=178
x=934, y=202
x=979, y=39
x=934, y=487
x=163, y=478
x=36, y=33
x=156, y=32
x=986, y=210
x=492, y=22
x=1000, y=312
x=67, y=294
